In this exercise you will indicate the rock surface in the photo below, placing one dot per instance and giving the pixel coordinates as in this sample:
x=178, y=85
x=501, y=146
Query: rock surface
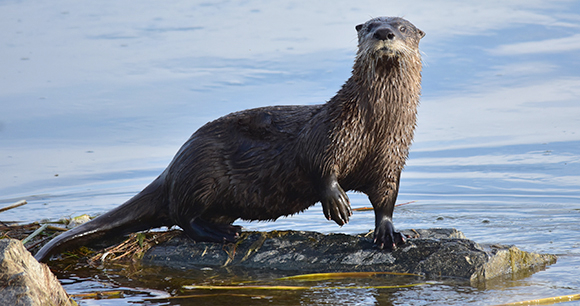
x=434, y=253
x=24, y=281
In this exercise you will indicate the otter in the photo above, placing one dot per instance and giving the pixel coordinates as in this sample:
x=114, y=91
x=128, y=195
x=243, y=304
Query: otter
x=264, y=163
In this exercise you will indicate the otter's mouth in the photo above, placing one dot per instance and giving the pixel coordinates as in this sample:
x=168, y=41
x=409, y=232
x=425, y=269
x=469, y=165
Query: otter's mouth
x=385, y=48
x=384, y=51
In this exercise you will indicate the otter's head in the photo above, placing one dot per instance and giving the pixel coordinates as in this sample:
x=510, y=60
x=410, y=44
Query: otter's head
x=388, y=37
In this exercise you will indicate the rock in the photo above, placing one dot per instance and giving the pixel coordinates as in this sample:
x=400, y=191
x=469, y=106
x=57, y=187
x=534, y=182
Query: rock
x=25, y=281
x=76, y=221
x=434, y=253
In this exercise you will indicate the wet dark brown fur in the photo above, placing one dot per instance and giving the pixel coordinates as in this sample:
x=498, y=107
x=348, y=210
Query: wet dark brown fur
x=264, y=163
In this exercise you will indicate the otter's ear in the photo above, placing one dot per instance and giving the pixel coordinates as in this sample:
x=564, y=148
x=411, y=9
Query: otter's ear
x=421, y=33
x=358, y=27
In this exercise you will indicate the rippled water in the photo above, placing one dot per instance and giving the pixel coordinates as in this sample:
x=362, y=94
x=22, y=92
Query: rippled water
x=95, y=98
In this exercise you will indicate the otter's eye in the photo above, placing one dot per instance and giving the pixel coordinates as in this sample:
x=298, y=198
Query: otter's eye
x=403, y=29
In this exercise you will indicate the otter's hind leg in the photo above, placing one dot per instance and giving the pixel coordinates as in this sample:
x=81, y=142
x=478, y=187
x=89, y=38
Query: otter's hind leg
x=200, y=230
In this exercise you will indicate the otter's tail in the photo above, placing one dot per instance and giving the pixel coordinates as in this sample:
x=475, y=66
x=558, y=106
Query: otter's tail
x=145, y=210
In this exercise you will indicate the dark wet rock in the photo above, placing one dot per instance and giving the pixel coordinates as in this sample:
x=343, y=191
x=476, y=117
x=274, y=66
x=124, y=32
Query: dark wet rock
x=434, y=253
x=25, y=281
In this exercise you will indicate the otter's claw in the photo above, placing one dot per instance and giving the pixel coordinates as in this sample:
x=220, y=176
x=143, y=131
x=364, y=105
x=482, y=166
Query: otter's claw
x=336, y=205
x=385, y=236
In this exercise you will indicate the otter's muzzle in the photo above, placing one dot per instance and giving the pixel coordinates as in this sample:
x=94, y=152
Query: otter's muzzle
x=384, y=34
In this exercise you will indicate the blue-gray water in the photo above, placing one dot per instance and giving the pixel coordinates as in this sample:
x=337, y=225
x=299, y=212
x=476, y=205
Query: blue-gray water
x=96, y=97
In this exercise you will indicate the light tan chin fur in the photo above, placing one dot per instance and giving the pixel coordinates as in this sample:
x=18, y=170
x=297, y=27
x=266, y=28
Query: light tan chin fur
x=389, y=48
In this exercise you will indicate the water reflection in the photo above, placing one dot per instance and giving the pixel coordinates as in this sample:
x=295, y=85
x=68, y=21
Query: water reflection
x=95, y=98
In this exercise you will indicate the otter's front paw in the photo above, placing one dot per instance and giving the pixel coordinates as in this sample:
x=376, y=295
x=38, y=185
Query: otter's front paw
x=336, y=205
x=385, y=236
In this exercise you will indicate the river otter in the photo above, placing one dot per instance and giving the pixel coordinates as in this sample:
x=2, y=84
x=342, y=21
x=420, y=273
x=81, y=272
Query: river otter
x=264, y=163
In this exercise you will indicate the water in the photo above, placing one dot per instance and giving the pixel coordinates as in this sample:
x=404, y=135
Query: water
x=95, y=99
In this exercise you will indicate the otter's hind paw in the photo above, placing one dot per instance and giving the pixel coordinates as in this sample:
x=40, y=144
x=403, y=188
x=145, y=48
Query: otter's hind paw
x=200, y=230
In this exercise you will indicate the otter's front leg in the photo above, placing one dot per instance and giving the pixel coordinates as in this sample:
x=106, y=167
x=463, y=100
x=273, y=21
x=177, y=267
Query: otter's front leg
x=335, y=202
x=383, y=200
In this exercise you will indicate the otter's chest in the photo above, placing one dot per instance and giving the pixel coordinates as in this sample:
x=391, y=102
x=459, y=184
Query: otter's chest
x=369, y=156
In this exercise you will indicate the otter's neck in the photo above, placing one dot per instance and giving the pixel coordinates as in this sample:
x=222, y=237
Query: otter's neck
x=384, y=92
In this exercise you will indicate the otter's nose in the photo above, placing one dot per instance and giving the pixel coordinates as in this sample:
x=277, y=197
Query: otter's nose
x=384, y=34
